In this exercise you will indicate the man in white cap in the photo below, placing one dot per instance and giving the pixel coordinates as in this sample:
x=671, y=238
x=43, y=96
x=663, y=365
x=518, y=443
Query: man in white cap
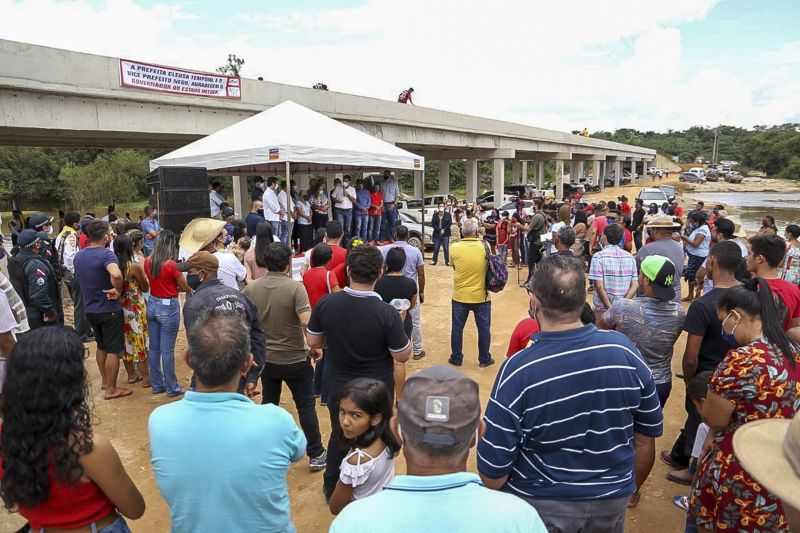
x=661, y=228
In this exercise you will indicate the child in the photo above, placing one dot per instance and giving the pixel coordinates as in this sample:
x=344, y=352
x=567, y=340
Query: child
x=364, y=413
x=696, y=390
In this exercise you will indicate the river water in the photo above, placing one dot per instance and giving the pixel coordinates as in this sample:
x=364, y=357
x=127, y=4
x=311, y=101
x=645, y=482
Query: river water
x=752, y=206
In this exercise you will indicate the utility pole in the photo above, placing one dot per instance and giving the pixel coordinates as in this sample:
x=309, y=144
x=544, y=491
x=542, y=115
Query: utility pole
x=714, y=151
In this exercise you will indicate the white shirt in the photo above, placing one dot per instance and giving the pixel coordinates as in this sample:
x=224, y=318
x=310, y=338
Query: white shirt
x=230, y=271
x=282, y=202
x=215, y=199
x=272, y=206
x=70, y=248
x=340, y=193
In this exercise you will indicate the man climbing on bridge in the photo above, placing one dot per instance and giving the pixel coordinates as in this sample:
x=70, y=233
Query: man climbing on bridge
x=405, y=96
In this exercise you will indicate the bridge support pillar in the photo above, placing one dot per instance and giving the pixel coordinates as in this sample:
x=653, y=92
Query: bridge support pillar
x=597, y=172
x=617, y=172
x=498, y=180
x=559, y=180
x=515, y=171
x=419, y=186
x=523, y=179
x=540, y=175
x=444, y=176
x=472, y=179
x=241, y=196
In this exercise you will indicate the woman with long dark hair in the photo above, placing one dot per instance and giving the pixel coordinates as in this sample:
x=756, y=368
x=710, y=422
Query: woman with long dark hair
x=56, y=471
x=134, y=309
x=164, y=312
x=254, y=257
x=758, y=379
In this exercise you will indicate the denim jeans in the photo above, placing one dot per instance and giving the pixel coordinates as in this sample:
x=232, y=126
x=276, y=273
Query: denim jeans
x=565, y=516
x=284, y=236
x=276, y=228
x=663, y=390
x=117, y=526
x=79, y=321
x=321, y=379
x=345, y=218
x=388, y=221
x=483, y=321
x=163, y=321
x=442, y=242
x=362, y=224
x=416, y=331
x=374, y=231
x=299, y=377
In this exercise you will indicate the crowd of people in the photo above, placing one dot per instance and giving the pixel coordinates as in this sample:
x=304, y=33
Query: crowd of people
x=333, y=309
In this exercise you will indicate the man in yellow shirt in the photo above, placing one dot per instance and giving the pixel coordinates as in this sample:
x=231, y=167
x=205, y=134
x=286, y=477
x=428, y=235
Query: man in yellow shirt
x=470, y=262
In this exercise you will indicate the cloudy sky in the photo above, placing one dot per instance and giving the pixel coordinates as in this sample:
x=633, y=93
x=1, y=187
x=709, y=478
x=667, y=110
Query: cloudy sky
x=569, y=64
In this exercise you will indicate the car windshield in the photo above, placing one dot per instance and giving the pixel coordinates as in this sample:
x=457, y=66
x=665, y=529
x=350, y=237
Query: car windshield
x=414, y=204
x=652, y=196
x=408, y=218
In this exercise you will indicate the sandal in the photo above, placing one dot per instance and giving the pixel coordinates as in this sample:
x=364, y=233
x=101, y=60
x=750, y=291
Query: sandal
x=137, y=379
x=682, y=502
x=121, y=392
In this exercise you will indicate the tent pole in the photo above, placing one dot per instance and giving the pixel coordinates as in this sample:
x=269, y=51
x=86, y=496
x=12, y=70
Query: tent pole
x=288, y=197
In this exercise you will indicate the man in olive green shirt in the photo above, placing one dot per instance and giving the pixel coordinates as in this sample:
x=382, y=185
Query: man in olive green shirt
x=469, y=260
x=284, y=312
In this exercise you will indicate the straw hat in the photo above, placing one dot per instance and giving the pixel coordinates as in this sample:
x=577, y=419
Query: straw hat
x=737, y=225
x=662, y=221
x=199, y=233
x=770, y=451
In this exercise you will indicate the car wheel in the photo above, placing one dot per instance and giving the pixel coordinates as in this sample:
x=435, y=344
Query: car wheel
x=416, y=240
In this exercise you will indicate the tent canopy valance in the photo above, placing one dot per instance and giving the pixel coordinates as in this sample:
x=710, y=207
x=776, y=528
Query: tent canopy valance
x=308, y=141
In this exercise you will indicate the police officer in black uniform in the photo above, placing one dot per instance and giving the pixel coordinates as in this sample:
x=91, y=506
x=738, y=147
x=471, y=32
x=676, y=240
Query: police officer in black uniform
x=43, y=224
x=35, y=282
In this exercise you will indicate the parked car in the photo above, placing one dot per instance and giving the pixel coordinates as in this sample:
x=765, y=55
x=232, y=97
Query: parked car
x=511, y=207
x=669, y=190
x=697, y=170
x=651, y=195
x=414, y=207
x=486, y=200
x=733, y=177
x=415, y=232
x=691, y=177
x=712, y=175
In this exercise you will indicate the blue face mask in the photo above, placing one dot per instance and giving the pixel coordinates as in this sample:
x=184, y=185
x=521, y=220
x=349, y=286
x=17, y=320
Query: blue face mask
x=730, y=338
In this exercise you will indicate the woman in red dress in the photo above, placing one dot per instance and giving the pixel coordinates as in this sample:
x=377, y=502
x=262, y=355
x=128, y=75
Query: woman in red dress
x=759, y=379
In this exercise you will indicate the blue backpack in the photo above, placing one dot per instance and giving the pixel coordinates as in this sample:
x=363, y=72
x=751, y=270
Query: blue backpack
x=496, y=271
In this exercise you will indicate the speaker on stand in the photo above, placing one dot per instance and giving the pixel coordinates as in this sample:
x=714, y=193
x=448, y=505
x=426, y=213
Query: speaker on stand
x=180, y=194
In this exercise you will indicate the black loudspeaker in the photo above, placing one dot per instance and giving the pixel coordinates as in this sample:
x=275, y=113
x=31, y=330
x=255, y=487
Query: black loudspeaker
x=180, y=194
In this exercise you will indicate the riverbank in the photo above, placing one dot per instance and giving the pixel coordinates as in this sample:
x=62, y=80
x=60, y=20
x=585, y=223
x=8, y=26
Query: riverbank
x=758, y=185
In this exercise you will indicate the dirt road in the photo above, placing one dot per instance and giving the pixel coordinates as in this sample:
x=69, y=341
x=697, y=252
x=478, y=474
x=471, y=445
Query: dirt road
x=125, y=421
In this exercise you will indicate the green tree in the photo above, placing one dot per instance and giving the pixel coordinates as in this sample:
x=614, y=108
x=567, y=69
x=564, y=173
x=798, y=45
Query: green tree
x=233, y=66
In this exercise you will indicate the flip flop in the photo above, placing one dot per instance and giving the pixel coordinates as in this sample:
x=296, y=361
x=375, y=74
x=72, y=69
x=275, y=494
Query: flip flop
x=119, y=393
x=183, y=390
x=682, y=502
x=136, y=380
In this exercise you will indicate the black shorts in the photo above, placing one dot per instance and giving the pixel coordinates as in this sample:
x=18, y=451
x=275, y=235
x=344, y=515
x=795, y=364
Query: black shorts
x=109, y=330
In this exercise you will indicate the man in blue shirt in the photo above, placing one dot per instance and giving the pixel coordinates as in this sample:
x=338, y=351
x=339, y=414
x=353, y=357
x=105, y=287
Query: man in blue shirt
x=220, y=461
x=150, y=228
x=572, y=419
x=438, y=422
x=362, y=210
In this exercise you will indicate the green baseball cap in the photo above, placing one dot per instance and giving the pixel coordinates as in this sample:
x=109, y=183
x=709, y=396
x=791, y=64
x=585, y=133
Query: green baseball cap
x=661, y=272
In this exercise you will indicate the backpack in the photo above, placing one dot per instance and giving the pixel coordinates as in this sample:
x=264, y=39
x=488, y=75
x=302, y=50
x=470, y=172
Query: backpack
x=496, y=271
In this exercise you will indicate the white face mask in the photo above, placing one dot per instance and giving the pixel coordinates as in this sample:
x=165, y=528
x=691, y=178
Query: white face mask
x=50, y=231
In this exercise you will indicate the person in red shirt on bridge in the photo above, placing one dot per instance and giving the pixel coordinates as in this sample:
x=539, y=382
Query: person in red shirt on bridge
x=405, y=96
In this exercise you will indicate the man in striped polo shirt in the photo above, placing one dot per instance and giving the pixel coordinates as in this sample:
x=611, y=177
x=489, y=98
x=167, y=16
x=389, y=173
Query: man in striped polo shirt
x=572, y=419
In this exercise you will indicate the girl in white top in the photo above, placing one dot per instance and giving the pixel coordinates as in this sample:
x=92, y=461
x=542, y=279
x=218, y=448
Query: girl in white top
x=364, y=413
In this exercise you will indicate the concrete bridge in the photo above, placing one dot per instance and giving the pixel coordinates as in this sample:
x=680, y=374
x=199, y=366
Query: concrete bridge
x=55, y=97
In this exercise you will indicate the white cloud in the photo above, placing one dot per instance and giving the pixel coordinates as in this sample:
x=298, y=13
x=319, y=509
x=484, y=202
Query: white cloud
x=563, y=65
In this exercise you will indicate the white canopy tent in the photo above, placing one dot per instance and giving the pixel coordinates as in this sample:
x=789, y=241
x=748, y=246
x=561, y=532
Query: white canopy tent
x=289, y=138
